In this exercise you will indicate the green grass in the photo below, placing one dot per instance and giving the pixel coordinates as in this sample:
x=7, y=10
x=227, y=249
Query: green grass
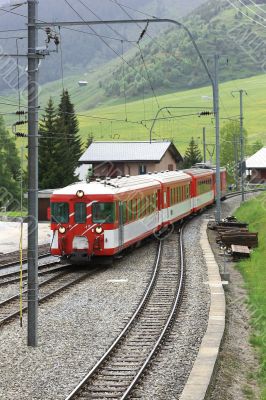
x=91, y=105
x=181, y=129
x=13, y=214
x=254, y=273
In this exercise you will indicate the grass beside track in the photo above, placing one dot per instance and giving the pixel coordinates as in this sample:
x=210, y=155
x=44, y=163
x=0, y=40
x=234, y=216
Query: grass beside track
x=254, y=273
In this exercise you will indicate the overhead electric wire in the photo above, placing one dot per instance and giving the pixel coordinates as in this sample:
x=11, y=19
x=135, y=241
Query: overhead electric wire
x=61, y=58
x=107, y=44
x=148, y=76
x=99, y=36
x=239, y=10
x=124, y=83
x=97, y=16
x=96, y=34
x=134, y=9
x=250, y=9
x=258, y=6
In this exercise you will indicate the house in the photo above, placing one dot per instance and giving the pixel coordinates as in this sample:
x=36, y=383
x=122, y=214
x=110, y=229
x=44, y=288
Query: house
x=130, y=158
x=256, y=167
x=43, y=203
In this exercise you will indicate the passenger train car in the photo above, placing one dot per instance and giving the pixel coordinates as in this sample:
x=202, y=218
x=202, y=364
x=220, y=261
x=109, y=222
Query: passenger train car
x=104, y=217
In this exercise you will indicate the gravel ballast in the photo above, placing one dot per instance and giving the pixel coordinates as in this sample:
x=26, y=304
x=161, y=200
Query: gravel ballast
x=169, y=373
x=77, y=326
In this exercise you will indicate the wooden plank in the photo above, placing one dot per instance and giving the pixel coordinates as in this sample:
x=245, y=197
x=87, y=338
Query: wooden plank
x=240, y=249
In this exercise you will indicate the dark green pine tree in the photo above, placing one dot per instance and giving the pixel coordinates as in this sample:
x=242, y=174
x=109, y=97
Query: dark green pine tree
x=192, y=155
x=9, y=170
x=49, y=176
x=70, y=142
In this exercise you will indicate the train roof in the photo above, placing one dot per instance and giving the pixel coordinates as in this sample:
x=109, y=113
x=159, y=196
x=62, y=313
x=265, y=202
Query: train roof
x=123, y=184
x=199, y=172
x=171, y=176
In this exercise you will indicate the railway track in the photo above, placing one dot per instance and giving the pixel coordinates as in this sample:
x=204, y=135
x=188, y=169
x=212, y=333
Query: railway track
x=238, y=193
x=48, y=268
x=11, y=259
x=9, y=308
x=120, y=368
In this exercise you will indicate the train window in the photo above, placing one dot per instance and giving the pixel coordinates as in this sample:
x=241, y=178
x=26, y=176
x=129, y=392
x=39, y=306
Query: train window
x=60, y=213
x=150, y=203
x=104, y=212
x=80, y=213
x=124, y=212
x=139, y=208
x=155, y=201
x=130, y=210
x=134, y=209
x=143, y=208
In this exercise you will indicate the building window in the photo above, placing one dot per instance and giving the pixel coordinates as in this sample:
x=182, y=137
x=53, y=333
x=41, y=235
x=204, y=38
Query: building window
x=170, y=167
x=142, y=169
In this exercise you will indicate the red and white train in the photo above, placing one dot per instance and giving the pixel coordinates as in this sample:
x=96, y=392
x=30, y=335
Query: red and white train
x=104, y=217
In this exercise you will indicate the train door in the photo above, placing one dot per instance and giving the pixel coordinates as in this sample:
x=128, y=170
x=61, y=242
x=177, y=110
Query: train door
x=166, y=204
x=121, y=224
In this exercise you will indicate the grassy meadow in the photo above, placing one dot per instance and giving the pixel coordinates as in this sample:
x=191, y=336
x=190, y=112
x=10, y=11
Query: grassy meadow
x=254, y=273
x=107, y=119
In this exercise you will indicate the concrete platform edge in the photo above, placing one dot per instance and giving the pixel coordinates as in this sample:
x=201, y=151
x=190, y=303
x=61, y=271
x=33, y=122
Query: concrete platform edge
x=202, y=372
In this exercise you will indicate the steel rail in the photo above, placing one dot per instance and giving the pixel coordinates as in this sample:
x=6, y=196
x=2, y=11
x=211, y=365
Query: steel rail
x=44, y=269
x=169, y=321
x=44, y=297
x=13, y=263
x=127, y=327
x=154, y=347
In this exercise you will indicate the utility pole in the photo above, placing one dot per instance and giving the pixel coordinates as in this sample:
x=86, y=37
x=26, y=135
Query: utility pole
x=236, y=162
x=204, y=144
x=32, y=174
x=217, y=134
x=242, y=151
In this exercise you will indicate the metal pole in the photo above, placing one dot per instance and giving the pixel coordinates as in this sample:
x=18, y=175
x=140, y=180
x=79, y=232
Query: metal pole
x=242, y=146
x=32, y=174
x=236, y=163
x=217, y=130
x=204, y=145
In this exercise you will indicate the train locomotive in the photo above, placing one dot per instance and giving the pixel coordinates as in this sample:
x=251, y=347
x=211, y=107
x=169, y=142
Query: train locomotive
x=104, y=217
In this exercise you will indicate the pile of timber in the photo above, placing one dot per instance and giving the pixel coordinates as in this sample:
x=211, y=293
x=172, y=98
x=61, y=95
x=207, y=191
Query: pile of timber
x=234, y=233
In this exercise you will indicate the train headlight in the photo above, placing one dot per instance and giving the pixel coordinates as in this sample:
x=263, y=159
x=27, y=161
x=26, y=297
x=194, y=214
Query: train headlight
x=80, y=193
x=98, y=229
x=62, y=229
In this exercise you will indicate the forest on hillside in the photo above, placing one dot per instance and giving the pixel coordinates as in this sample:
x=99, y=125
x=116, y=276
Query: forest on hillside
x=170, y=63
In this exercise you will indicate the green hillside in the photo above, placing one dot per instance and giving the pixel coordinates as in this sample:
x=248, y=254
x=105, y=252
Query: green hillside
x=102, y=122
x=180, y=129
x=170, y=62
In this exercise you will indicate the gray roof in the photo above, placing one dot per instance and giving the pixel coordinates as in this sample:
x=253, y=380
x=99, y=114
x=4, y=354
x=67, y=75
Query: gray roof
x=258, y=160
x=128, y=151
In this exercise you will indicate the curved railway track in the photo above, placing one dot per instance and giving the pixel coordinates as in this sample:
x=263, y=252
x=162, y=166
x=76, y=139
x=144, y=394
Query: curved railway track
x=9, y=308
x=120, y=368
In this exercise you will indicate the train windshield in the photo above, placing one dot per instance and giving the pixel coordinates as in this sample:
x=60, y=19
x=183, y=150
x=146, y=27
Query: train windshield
x=104, y=213
x=60, y=213
x=80, y=213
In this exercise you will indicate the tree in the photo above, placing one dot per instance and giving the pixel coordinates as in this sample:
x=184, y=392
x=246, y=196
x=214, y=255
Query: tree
x=9, y=169
x=70, y=149
x=48, y=149
x=230, y=146
x=192, y=155
x=256, y=146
